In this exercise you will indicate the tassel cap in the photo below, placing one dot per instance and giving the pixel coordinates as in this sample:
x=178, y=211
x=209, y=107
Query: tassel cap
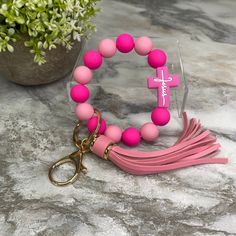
x=101, y=146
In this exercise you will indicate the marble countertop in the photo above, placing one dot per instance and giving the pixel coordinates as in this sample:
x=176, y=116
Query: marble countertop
x=37, y=122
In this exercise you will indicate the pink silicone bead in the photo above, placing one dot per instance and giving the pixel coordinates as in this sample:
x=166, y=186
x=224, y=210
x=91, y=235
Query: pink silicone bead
x=125, y=43
x=107, y=48
x=160, y=116
x=92, y=59
x=131, y=136
x=114, y=132
x=143, y=45
x=157, y=58
x=149, y=132
x=82, y=74
x=84, y=111
x=92, y=124
x=79, y=93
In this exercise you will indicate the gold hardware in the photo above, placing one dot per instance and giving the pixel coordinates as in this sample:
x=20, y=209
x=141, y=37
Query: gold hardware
x=107, y=150
x=86, y=141
x=76, y=158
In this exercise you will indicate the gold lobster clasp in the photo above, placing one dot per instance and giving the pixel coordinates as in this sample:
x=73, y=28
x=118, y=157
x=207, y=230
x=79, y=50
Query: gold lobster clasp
x=75, y=158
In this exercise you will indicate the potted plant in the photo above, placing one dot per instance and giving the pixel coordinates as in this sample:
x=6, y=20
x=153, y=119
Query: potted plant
x=40, y=40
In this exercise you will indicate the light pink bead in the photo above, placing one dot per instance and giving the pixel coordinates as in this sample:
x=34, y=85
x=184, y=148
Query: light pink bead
x=131, y=136
x=157, y=58
x=92, y=59
x=84, y=111
x=82, y=74
x=79, y=93
x=114, y=132
x=149, y=132
x=125, y=43
x=160, y=116
x=143, y=45
x=107, y=48
x=92, y=124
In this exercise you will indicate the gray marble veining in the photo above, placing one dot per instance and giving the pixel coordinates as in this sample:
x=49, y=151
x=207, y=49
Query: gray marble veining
x=36, y=126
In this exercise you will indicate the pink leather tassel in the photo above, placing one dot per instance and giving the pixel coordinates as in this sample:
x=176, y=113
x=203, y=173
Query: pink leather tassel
x=195, y=146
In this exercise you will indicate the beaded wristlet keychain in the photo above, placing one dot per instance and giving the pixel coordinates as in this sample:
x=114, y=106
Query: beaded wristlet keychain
x=194, y=147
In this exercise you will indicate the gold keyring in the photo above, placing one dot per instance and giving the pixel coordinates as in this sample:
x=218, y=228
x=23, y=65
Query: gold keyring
x=86, y=142
x=75, y=160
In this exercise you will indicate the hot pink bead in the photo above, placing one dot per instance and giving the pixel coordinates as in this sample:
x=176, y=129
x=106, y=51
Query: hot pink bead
x=92, y=59
x=160, y=116
x=84, y=111
x=92, y=124
x=79, y=93
x=131, y=136
x=157, y=58
x=114, y=132
x=107, y=48
x=149, y=132
x=125, y=43
x=143, y=45
x=82, y=74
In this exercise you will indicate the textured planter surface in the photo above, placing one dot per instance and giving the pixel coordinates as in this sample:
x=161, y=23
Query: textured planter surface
x=20, y=67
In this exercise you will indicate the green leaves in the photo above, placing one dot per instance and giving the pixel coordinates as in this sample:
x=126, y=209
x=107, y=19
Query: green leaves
x=48, y=23
x=10, y=48
x=11, y=31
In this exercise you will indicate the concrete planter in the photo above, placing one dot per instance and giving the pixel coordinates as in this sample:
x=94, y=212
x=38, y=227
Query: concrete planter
x=20, y=67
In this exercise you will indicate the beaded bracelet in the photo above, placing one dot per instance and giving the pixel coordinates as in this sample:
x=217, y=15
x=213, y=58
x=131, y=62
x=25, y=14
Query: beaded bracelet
x=156, y=58
x=195, y=146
